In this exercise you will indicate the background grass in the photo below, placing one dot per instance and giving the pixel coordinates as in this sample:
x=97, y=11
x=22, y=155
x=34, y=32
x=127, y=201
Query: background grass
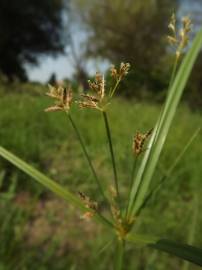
x=53, y=236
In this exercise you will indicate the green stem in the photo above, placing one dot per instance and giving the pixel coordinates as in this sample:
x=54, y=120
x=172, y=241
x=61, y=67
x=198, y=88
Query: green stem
x=111, y=152
x=119, y=255
x=87, y=156
x=114, y=89
x=173, y=72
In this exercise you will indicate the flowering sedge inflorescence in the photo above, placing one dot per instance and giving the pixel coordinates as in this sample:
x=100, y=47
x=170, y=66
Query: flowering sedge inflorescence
x=62, y=96
x=139, y=142
x=98, y=97
x=119, y=74
x=97, y=100
x=91, y=205
x=180, y=39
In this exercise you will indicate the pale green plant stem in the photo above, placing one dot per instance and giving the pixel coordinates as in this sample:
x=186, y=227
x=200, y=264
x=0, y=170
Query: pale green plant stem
x=114, y=89
x=111, y=153
x=86, y=155
x=174, y=69
x=119, y=255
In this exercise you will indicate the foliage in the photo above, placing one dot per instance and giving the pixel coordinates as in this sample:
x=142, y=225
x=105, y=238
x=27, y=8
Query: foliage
x=124, y=216
x=130, y=31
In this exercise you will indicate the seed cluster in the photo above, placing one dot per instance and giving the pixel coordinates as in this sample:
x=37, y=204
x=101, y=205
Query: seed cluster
x=63, y=97
x=179, y=40
x=92, y=205
x=139, y=141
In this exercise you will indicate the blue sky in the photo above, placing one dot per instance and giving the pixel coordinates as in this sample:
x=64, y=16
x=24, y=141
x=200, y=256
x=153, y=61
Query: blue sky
x=63, y=67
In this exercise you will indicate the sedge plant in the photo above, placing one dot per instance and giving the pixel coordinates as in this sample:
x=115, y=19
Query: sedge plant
x=146, y=149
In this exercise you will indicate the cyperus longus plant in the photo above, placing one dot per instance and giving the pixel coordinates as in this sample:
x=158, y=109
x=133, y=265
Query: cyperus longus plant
x=146, y=148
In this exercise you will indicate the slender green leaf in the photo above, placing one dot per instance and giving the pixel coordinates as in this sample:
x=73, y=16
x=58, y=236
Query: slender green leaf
x=150, y=160
x=48, y=183
x=169, y=171
x=182, y=251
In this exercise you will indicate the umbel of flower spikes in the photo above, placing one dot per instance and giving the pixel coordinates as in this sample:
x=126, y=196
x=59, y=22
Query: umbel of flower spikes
x=99, y=99
x=62, y=96
x=94, y=101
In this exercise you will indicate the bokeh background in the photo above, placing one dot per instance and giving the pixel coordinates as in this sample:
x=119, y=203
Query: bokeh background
x=47, y=41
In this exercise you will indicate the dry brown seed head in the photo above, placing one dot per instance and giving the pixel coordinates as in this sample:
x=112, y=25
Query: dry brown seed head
x=88, y=104
x=114, y=73
x=90, y=98
x=93, y=86
x=88, y=202
x=172, y=40
x=124, y=68
x=179, y=40
x=54, y=108
x=172, y=24
x=88, y=215
x=139, y=141
x=98, y=77
x=63, y=97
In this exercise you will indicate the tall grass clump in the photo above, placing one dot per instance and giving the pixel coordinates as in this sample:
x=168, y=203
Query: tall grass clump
x=123, y=214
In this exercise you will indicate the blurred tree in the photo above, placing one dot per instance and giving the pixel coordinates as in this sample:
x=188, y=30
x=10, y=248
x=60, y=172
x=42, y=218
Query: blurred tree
x=28, y=28
x=53, y=79
x=132, y=31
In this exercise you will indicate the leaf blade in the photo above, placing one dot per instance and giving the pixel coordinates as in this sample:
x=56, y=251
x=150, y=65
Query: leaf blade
x=151, y=158
x=49, y=183
x=183, y=251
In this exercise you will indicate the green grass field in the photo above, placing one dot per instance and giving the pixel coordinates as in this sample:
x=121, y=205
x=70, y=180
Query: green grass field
x=42, y=232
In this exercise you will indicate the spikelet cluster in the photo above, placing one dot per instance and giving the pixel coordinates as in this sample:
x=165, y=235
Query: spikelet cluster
x=62, y=96
x=119, y=74
x=92, y=205
x=179, y=40
x=139, y=142
x=97, y=87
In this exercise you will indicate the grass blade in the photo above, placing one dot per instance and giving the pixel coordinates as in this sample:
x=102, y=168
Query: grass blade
x=169, y=172
x=48, y=183
x=157, y=141
x=182, y=251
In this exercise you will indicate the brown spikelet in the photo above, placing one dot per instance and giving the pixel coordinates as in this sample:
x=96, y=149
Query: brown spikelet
x=179, y=40
x=88, y=202
x=118, y=74
x=94, y=101
x=139, y=141
x=62, y=96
